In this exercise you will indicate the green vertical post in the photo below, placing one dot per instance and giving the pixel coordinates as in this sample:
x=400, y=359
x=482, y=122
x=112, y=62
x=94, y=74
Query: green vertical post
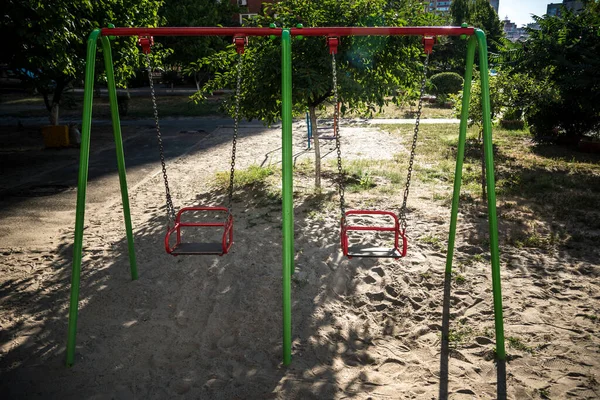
x=287, y=191
x=491, y=192
x=84, y=156
x=460, y=153
x=116, y=123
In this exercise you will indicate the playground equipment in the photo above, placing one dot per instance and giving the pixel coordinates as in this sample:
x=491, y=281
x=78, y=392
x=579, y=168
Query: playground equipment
x=477, y=40
x=399, y=223
x=193, y=248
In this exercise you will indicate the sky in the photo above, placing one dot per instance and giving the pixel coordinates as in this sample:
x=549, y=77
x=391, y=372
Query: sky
x=519, y=11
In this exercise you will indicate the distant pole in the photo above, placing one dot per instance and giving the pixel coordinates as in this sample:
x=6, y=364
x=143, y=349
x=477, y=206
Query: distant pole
x=287, y=191
x=308, y=128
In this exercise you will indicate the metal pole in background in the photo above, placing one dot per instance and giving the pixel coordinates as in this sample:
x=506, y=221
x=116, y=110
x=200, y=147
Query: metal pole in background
x=460, y=152
x=308, y=128
x=116, y=123
x=287, y=191
x=491, y=192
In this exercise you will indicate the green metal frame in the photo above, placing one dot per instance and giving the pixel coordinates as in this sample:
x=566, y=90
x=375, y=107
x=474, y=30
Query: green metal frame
x=478, y=40
x=84, y=156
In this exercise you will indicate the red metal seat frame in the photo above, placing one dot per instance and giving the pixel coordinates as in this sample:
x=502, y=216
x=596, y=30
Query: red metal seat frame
x=398, y=233
x=226, y=240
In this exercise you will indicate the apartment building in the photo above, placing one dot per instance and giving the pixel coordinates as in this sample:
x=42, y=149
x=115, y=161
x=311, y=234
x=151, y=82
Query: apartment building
x=444, y=5
x=440, y=5
x=250, y=8
x=573, y=5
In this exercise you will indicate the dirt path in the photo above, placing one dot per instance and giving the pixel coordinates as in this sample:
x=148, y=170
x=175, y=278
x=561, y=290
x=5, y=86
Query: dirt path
x=210, y=328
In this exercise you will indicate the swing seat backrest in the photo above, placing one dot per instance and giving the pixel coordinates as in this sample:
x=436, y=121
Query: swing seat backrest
x=369, y=251
x=206, y=248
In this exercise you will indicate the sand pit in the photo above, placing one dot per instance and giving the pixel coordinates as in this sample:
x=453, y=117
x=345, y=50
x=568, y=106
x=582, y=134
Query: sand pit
x=210, y=327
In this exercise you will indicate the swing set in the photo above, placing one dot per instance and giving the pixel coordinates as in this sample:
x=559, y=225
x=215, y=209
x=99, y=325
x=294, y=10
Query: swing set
x=175, y=242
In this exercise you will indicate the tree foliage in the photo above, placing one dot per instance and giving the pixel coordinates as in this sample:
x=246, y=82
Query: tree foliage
x=48, y=43
x=446, y=83
x=194, y=13
x=371, y=70
x=564, y=55
x=478, y=13
x=510, y=95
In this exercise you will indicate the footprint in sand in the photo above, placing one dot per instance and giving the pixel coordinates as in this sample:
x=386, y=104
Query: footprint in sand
x=369, y=279
x=391, y=367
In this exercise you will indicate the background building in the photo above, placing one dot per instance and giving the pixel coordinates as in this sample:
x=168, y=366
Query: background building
x=251, y=8
x=555, y=8
x=444, y=5
x=439, y=5
x=513, y=33
x=495, y=4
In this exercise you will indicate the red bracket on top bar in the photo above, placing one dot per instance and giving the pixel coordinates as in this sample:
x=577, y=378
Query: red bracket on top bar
x=146, y=43
x=428, y=42
x=240, y=43
x=332, y=42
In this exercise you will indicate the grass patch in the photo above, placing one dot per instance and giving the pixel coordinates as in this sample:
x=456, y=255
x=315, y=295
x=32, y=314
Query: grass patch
x=252, y=177
x=593, y=318
x=394, y=111
x=426, y=275
x=544, y=393
x=305, y=167
x=555, y=183
x=517, y=344
x=367, y=174
x=460, y=279
x=433, y=241
x=358, y=183
x=536, y=240
x=460, y=335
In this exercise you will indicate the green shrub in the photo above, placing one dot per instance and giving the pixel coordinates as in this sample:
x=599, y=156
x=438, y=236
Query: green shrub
x=512, y=124
x=446, y=83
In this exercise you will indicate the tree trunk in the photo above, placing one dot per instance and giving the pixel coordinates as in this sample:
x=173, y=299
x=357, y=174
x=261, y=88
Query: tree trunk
x=54, y=114
x=197, y=80
x=315, y=134
x=56, y=98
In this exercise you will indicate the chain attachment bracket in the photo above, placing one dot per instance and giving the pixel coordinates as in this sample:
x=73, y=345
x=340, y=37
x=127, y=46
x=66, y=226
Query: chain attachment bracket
x=428, y=42
x=146, y=43
x=333, y=42
x=240, y=43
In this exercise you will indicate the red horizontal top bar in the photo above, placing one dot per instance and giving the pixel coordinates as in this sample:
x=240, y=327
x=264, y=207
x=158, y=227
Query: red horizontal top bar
x=325, y=31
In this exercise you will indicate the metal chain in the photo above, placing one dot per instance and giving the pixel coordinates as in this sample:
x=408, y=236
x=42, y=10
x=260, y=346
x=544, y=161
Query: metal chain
x=236, y=123
x=170, y=208
x=336, y=133
x=403, y=222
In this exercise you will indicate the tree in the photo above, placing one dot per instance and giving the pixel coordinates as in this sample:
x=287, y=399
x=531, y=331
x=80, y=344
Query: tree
x=563, y=56
x=371, y=70
x=478, y=13
x=188, y=50
x=48, y=43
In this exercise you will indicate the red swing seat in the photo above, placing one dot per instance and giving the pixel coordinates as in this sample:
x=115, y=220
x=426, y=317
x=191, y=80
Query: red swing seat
x=369, y=251
x=208, y=248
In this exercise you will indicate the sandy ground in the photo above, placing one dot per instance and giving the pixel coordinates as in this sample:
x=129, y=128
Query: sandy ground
x=210, y=327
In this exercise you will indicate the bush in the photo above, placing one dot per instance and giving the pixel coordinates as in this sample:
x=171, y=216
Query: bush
x=512, y=124
x=446, y=83
x=510, y=98
x=563, y=56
